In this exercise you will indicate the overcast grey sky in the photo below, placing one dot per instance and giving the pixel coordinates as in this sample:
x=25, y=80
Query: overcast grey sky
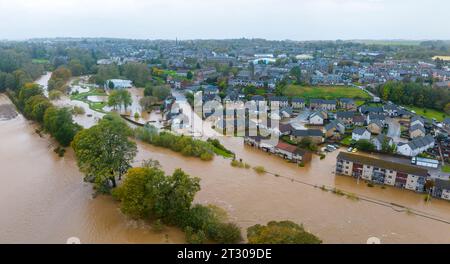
x=194, y=19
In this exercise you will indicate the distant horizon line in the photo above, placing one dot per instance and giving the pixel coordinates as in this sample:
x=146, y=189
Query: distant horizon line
x=218, y=39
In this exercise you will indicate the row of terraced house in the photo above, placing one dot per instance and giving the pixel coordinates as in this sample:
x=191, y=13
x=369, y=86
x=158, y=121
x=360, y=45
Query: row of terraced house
x=394, y=174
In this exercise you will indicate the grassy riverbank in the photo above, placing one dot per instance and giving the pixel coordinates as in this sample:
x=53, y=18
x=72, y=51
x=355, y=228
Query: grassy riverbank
x=95, y=106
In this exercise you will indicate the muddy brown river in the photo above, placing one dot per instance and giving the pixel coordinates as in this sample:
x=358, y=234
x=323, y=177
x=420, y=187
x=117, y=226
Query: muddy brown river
x=44, y=200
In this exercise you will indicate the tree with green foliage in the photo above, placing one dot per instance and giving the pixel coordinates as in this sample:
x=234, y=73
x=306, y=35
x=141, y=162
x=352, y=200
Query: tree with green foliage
x=36, y=106
x=76, y=68
x=386, y=147
x=296, y=72
x=308, y=144
x=285, y=232
x=365, y=145
x=140, y=191
x=111, y=85
x=104, y=73
x=55, y=95
x=104, y=152
x=414, y=94
x=139, y=73
x=447, y=109
x=59, y=123
x=27, y=91
x=190, y=75
x=120, y=98
x=59, y=79
x=429, y=185
x=179, y=192
x=187, y=146
x=148, y=101
x=147, y=193
x=160, y=92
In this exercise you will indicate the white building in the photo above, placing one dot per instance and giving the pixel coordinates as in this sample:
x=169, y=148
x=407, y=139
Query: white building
x=361, y=134
x=416, y=146
x=316, y=118
x=118, y=84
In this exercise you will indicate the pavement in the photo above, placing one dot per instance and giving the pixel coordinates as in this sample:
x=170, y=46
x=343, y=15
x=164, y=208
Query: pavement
x=394, y=130
x=193, y=124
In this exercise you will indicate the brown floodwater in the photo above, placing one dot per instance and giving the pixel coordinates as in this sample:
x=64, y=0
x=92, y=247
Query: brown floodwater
x=254, y=199
x=44, y=200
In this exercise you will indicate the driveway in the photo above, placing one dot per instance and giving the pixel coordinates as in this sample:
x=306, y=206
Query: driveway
x=301, y=120
x=394, y=130
x=194, y=124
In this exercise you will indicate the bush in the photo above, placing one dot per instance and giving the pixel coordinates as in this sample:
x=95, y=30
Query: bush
x=338, y=192
x=60, y=151
x=285, y=232
x=158, y=226
x=307, y=143
x=353, y=197
x=240, y=164
x=211, y=221
x=55, y=95
x=206, y=156
x=260, y=170
x=365, y=145
x=216, y=143
x=193, y=237
x=225, y=233
x=78, y=110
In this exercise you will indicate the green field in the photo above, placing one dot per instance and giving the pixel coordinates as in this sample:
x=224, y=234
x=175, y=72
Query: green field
x=96, y=106
x=428, y=113
x=325, y=92
x=446, y=169
x=40, y=61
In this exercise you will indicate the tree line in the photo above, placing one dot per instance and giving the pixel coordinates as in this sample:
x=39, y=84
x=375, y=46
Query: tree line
x=187, y=146
x=139, y=73
x=414, y=94
x=58, y=122
x=17, y=68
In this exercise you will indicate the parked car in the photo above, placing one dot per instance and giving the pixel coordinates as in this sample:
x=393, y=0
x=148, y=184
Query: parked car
x=350, y=149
